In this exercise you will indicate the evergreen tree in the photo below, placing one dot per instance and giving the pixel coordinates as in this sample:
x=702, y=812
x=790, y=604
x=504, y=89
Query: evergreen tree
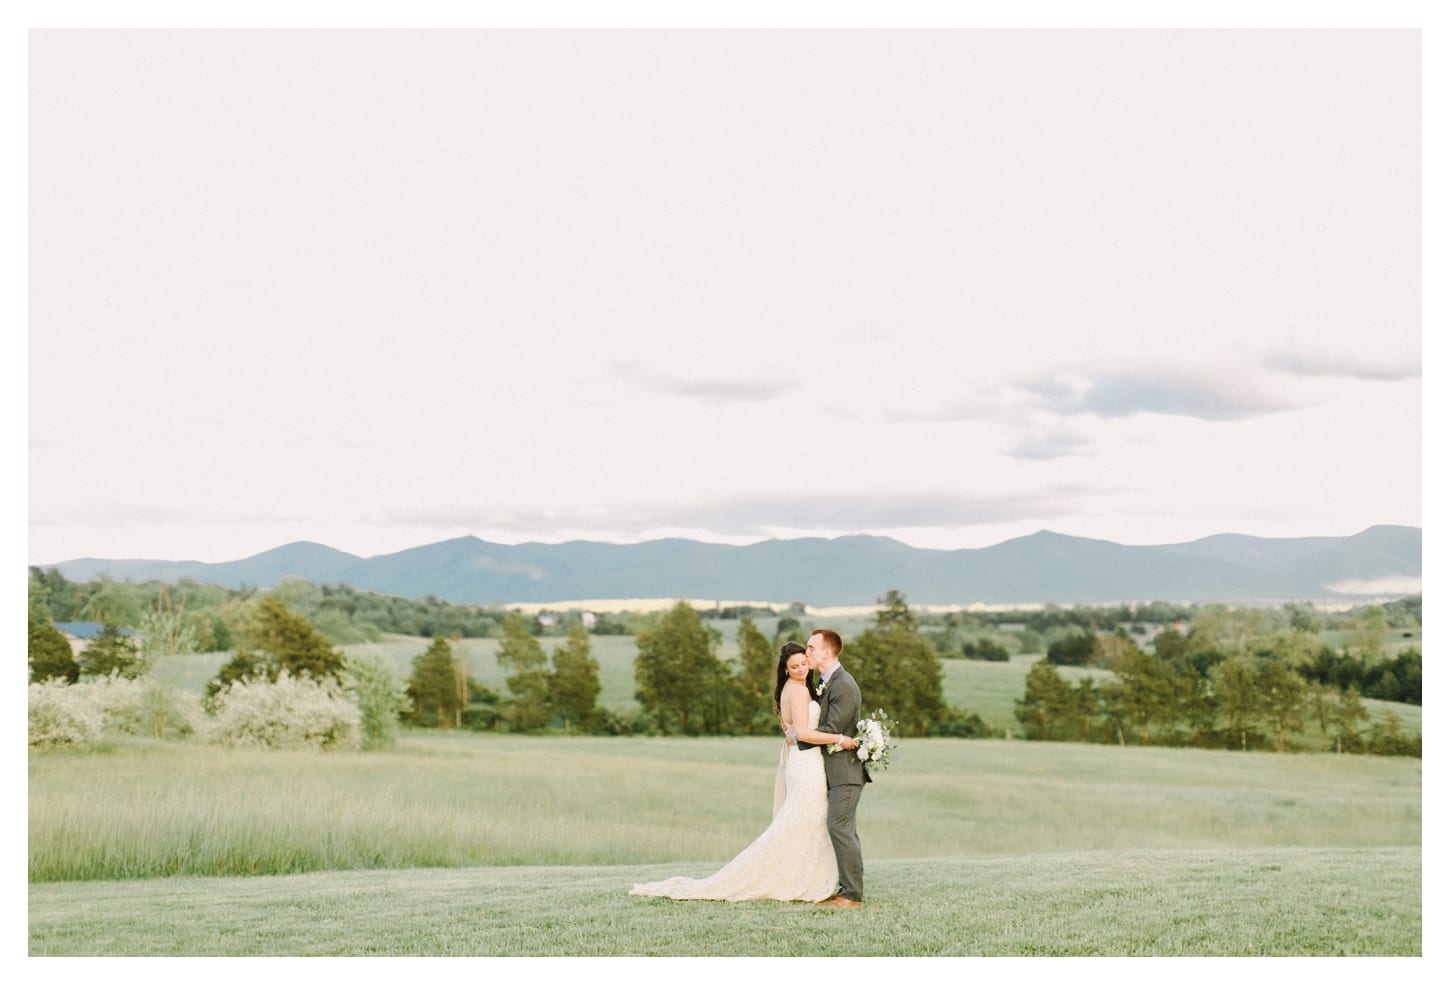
x=433, y=687
x=895, y=613
x=50, y=654
x=112, y=650
x=278, y=639
x=291, y=642
x=528, y=709
x=574, y=685
x=243, y=665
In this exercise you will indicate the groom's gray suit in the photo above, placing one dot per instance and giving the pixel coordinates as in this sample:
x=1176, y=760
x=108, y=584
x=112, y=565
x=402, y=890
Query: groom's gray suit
x=840, y=711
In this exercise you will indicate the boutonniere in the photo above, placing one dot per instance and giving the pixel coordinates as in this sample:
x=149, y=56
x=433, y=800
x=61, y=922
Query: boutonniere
x=820, y=689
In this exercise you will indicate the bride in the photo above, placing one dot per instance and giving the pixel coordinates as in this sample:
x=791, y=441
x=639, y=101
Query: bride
x=792, y=859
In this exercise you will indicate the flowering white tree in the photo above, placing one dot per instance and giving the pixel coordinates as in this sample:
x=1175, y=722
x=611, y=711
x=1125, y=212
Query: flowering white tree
x=290, y=712
x=114, y=705
x=63, y=714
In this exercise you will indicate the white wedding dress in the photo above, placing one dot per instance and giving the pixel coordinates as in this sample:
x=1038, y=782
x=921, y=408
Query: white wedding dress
x=791, y=860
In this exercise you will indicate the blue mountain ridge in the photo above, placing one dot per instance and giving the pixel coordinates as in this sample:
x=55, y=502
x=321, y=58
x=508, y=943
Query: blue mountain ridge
x=1044, y=567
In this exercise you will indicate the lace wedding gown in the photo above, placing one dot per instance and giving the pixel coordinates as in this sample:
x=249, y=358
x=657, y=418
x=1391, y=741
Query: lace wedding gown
x=791, y=860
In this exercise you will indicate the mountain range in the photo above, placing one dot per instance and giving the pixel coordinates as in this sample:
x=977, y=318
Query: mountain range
x=1381, y=561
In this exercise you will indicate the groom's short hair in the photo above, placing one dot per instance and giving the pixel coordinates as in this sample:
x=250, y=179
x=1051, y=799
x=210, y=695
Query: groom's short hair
x=832, y=638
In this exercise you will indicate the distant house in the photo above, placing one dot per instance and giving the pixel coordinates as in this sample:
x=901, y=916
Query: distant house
x=80, y=634
x=588, y=619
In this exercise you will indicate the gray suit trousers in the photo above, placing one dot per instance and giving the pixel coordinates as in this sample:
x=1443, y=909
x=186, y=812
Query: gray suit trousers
x=841, y=823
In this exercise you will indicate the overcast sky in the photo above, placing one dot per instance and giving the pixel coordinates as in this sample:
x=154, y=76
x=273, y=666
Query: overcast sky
x=378, y=289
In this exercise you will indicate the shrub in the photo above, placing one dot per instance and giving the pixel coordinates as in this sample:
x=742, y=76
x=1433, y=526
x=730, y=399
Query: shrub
x=381, y=697
x=167, y=711
x=1073, y=650
x=963, y=724
x=290, y=712
x=74, y=714
x=63, y=714
x=985, y=649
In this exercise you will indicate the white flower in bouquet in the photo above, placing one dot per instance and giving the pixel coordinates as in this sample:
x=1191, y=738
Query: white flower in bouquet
x=874, y=742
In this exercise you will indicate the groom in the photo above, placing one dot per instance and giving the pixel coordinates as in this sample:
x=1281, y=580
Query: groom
x=840, y=701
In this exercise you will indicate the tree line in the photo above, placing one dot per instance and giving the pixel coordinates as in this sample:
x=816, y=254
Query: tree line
x=1220, y=687
x=211, y=618
x=1237, y=678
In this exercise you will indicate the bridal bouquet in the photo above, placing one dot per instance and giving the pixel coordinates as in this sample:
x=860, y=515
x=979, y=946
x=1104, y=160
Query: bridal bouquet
x=874, y=738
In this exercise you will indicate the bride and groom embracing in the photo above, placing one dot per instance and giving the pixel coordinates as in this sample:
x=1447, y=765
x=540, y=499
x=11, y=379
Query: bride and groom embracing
x=810, y=851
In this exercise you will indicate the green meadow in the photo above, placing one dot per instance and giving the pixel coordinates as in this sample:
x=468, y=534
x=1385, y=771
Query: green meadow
x=457, y=843
x=973, y=847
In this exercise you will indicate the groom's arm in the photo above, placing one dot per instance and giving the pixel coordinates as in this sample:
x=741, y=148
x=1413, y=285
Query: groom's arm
x=844, y=711
x=839, y=720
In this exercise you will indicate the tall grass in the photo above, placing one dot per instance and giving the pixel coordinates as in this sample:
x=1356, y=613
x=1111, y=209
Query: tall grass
x=140, y=810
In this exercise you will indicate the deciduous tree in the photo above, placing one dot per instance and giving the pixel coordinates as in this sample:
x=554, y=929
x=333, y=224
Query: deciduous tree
x=1282, y=693
x=677, y=673
x=756, y=680
x=1349, y=713
x=897, y=669
x=1046, y=709
x=1367, y=633
x=1236, y=698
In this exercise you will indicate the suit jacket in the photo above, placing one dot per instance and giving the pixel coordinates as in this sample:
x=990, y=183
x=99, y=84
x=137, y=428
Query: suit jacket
x=840, y=711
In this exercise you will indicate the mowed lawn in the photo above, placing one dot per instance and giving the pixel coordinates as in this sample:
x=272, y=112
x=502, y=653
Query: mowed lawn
x=494, y=844
x=1167, y=902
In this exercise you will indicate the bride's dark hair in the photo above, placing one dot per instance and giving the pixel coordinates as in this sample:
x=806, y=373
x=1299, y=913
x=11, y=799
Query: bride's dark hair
x=786, y=652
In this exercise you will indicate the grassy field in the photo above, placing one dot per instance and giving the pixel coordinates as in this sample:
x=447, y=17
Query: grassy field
x=1166, y=902
x=489, y=844
x=146, y=810
x=463, y=843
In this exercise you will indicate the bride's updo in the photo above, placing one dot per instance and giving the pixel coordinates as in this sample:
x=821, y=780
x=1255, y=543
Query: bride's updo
x=790, y=649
